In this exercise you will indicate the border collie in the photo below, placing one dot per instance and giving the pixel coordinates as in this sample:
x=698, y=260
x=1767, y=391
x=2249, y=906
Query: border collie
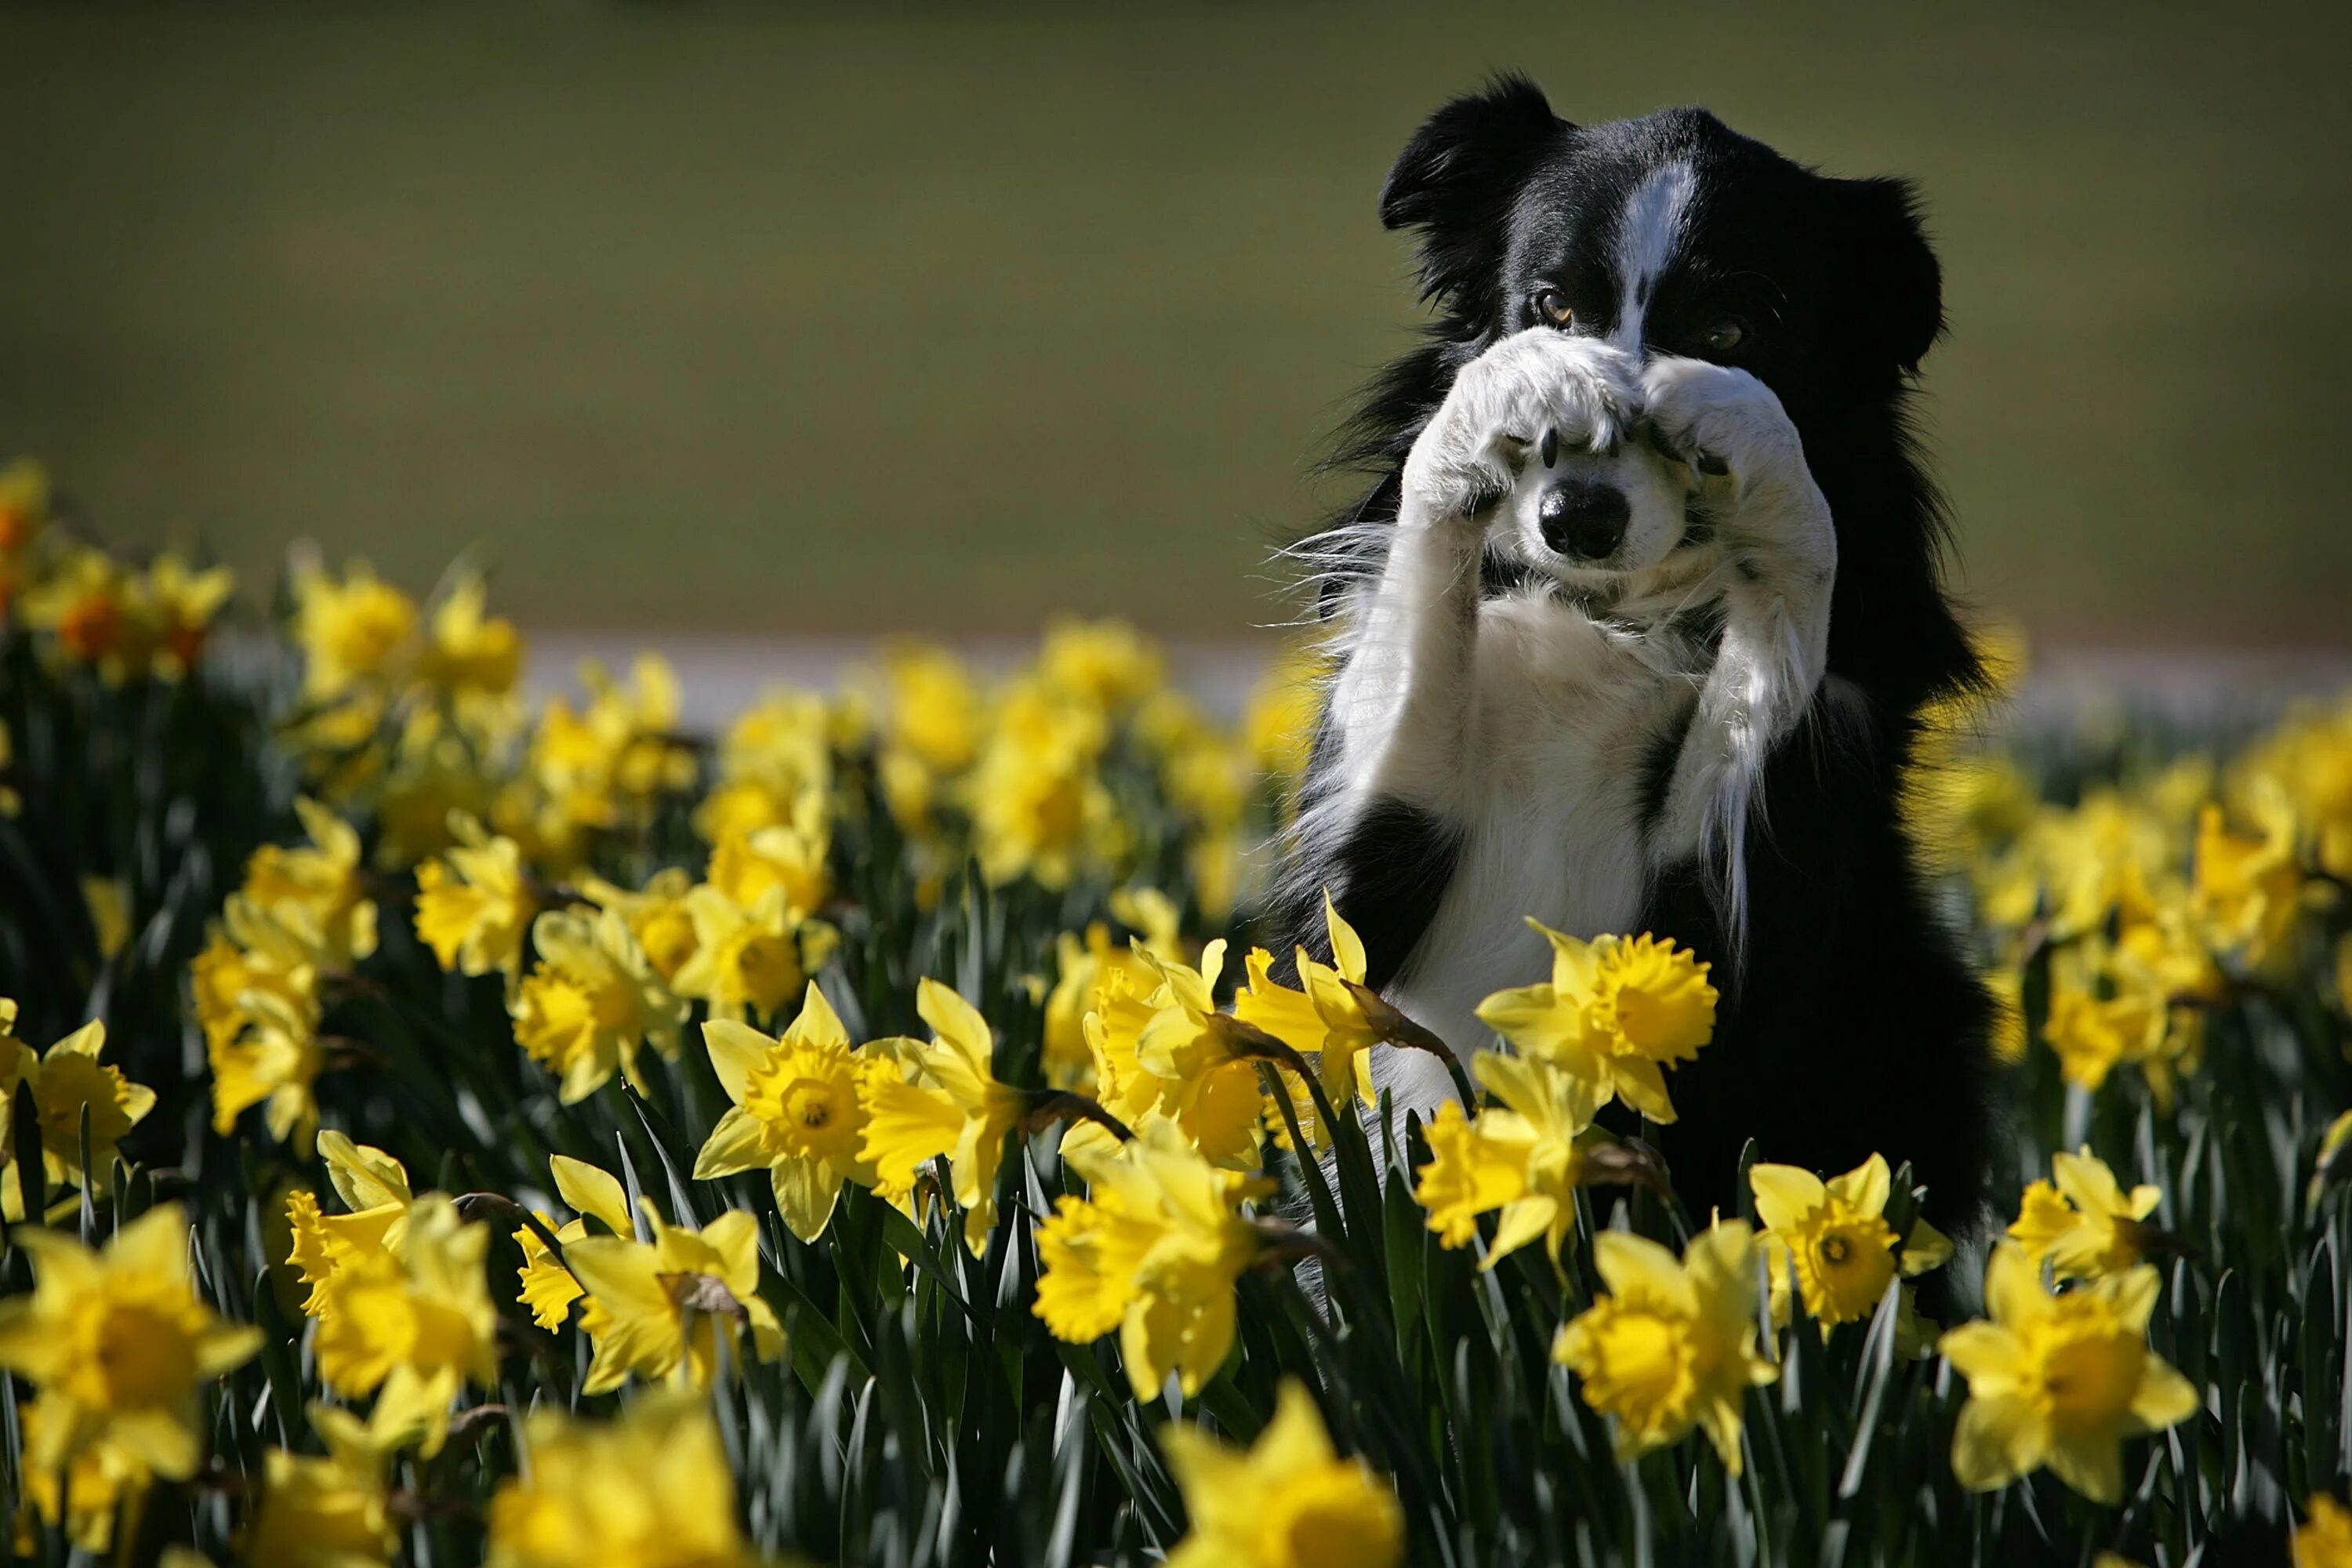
x=1634, y=631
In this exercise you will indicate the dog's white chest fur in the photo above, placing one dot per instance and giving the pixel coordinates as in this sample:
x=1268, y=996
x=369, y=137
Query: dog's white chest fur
x=1561, y=712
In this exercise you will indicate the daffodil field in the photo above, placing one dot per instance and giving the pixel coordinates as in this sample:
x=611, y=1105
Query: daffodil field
x=443, y=1128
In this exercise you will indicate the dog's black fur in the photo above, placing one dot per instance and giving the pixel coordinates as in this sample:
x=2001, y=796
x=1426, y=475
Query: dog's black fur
x=1851, y=1023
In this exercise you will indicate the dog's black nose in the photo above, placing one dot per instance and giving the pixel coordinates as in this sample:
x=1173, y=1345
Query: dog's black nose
x=1584, y=519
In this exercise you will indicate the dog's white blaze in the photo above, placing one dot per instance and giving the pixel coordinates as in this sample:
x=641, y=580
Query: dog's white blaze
x=1648, y=232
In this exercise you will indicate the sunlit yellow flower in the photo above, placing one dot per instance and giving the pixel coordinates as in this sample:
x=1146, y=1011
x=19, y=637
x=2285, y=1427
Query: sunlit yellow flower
x=2310, y=758
x=1289, y=1502
x=66, y=1080
x=671, y=1307
x=96, y=1483
x=1081, y=964
x=2085, y=1225
x=658, y=916
x=591, y=1002
x=935, y=710
x=475, y=903
x=789, y=858
x=547, y=1287
x=117, y=1341
x=652, y=1489
x=2060, y=1379
x=2324, y=1539
x=1522, y=1159
x=1278, y=721
x=2249, y=890
x=248, y=953
x=774, y=757
x=317, y=888
x=1039, y=807
x=1835, y=1237
x=274, y=1063
x=1105, y=664
x=749, y=961
x=326, y=1511
x=374, y=1189
x=1673, y=1345
x=1154, y=1251
x=1615, y=1011
x=349, y=631
x=1204, y=1065
x=796, y=1112
x=468, y=651
x=411, y=1325
x=2107, y=1006
x=945, y=1100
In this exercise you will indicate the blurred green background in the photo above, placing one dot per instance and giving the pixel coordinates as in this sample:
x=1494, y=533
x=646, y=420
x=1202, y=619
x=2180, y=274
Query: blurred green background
x=803, y=320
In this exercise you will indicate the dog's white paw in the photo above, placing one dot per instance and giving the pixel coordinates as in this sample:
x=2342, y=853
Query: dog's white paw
x=1731, y=429
x=1540, y=392
x=1721, y=420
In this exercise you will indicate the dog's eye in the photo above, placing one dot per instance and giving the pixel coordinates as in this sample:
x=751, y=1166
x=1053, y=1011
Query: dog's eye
x=1724, y=336
x=1551, y=305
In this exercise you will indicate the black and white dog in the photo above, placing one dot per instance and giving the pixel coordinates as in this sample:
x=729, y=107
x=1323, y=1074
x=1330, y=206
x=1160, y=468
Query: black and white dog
x=1633, y=633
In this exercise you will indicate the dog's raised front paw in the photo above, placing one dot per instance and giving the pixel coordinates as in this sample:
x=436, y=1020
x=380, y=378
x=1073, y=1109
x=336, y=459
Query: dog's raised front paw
x=1540, y=393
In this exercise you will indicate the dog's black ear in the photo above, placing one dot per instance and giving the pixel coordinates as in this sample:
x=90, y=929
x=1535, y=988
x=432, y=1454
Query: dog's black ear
x=1897, y=285
x=1454, y=179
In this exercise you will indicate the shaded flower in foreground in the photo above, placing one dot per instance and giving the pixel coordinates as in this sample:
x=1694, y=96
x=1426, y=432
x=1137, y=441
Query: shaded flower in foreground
x=665, y=1307
x=117, y=1341
x=2060, y=1379
x=652, y=1489
x=1522, y=1159
x=2085, y=1224
x=412, y=1326
x=1290, y=1501
x=944, y=1101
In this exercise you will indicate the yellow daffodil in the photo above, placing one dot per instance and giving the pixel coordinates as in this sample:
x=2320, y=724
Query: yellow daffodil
x=374, y=1189
x=671, y=1307
x=944, y=1101
x=1104, y=663
x=274, y=1064
x=1278, y=721
x=117, y=1341
x=469, y=651
x=1333, y=1022
x=2108, y=1007
x=1081, y=964
x=591, y=1002
x=2324, y=1539
x=473, y=904
x=2249, y=891
x=790, y=856
x=796, y=1112
x=652, y=1489
x=547, y=1287
x=1673, y=1345
x=84, y=1495
x=1039, y=807
x=67, y=1081
x=350, y=630
x=82, y=605
x=658, y=918
x=749, y=961
x=317, y=888
x=2085, y=1225
x=170, y=607
x=411, y=1325
x=1154, y=1251
x=1835, y=1237
x=1615, y=1011
x=330, y=1511
x=1205, y=1067
x=1522, y=1159
x=2060, y=1379
x=1289, y=1502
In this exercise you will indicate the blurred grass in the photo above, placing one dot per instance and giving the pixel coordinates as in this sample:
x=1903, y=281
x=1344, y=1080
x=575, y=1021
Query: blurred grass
x=803, y=320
